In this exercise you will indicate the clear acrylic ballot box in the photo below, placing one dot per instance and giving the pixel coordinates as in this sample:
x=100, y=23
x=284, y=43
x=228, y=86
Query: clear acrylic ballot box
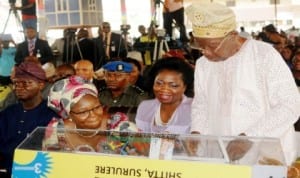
x=76, y=153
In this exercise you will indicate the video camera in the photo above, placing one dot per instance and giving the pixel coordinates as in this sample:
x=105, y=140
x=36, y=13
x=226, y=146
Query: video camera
x=161, y=32
x=6, y=37
x=157, y=2
x=125, y=28
x=70, y=32
x=12, y=2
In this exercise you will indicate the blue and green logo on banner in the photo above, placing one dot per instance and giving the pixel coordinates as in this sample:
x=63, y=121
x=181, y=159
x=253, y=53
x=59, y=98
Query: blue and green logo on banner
x=39, y=167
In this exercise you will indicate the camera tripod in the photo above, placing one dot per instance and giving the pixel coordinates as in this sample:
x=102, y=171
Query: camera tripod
x=72, y=44
x=69, y=41
x=158, y=50
x=124, y=36
x=17, y=19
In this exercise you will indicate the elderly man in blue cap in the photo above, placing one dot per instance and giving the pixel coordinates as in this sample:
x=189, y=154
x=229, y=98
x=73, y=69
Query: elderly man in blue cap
x=118, y=93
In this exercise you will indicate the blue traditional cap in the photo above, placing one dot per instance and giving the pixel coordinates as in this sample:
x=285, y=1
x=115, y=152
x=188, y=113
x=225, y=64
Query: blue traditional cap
x=118, y=66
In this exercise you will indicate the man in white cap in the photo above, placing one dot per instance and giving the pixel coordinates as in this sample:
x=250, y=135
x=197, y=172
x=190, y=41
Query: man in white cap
x=242, y=86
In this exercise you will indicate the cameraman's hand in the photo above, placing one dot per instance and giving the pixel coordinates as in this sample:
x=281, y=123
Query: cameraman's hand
x=236, y=149
x=18, y=8
x=13, y=7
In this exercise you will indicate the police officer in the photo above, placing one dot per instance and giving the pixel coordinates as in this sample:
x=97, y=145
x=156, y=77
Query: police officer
x=118, y=92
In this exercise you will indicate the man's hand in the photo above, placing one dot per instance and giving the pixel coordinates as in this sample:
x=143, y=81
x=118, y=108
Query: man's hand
x=13, y=7
x=236, y=149
x=270, y=161
x=191, y=145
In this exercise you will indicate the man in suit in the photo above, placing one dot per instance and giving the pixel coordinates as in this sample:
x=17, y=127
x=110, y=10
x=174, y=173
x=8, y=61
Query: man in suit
x=84, y=69
x=114, y=44
x=33, y=49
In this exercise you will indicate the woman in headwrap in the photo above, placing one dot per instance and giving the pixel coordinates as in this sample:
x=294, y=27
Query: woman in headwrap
x=82, y=118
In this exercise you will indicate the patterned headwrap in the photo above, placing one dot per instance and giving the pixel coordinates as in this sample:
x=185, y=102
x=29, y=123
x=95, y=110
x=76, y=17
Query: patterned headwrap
x=30, y=70
x=67, y=92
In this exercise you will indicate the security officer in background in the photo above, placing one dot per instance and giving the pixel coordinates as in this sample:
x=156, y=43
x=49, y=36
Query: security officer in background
x=119, y=95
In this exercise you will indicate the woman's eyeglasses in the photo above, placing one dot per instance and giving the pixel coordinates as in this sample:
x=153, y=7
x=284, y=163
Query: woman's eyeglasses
x=84, y=114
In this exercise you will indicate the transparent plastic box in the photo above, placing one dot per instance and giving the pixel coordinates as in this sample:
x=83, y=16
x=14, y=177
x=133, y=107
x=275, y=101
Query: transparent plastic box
x=59, y=152
x=260, y=151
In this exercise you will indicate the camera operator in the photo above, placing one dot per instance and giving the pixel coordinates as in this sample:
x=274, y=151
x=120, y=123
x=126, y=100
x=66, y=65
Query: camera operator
x=114, y=44
x=63, y=47
x=28, y=11
x=174, y=10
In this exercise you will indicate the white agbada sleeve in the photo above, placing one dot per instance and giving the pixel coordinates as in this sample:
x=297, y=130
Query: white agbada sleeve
x=282, y=95
x=282, y=105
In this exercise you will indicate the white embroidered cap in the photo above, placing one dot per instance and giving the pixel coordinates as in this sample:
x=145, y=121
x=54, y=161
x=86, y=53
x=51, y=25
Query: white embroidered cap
x=211, y=20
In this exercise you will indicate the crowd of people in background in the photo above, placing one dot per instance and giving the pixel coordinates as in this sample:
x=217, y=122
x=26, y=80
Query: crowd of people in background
x=113, y=76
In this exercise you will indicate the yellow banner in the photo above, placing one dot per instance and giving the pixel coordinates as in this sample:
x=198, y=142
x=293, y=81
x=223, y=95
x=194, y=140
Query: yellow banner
x=69, y=165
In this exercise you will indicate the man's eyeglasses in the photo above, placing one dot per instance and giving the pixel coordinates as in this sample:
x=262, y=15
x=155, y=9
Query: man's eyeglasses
x=207, y=47
x=211, y=47
x=22, y=83
x=85, y=114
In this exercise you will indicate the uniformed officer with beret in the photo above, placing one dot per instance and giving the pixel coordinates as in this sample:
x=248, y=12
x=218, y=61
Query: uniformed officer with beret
x=118, y=92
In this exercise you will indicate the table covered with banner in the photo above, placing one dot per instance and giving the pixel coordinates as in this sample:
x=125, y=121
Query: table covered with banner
x=145, y=155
